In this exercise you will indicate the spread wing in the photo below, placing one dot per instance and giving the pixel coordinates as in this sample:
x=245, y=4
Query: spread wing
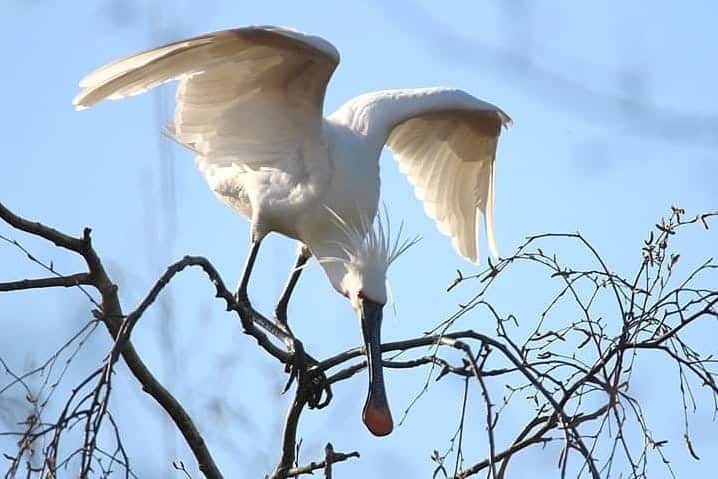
x=445, y=141
x=246, y=96
x=449, y=158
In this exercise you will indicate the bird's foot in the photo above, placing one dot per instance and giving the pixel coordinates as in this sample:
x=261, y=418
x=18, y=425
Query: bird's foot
x=313, y=383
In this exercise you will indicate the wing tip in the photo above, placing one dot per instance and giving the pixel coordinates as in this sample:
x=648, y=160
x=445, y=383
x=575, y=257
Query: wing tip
x=493, y=248
x=78, y=102
x=473, y=256
x=469, y=249
x=506, y=120
x=466, y=249
x=83, y=100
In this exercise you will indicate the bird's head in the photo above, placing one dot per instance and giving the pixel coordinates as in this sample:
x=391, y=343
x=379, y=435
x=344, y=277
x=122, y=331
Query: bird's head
x=359, y=273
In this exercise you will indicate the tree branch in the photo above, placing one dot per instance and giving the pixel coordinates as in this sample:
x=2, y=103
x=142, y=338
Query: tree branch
x=247, y=316
x=326, y=464
x=51, y=282
x=111, y=315
x=289, y=436
x=650, y=316
x=38, y=229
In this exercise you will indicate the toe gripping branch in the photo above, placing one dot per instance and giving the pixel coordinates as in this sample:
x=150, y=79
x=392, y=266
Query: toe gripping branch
x=312, y=382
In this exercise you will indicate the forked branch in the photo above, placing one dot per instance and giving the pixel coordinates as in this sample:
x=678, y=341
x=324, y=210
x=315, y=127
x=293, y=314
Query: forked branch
x=651, y=311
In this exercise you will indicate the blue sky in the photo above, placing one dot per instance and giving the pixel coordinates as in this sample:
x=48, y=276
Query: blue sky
x=614, y=108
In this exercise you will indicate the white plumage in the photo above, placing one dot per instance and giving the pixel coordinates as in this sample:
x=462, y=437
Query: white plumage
x=250, y=105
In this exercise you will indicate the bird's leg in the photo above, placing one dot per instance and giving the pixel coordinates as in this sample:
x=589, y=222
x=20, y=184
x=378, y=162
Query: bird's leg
x=316, y=383
x=245, y=304
x=280, y=311
x=242, y=296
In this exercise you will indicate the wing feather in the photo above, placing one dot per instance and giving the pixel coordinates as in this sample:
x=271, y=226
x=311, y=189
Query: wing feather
x=248, y=47
x=238, y=88
x=247, y=97
x=448, y=156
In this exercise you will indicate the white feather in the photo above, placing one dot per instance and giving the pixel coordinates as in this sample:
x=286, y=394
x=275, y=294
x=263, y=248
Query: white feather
x=249, y=104
x=369, y=249
x=445, y=141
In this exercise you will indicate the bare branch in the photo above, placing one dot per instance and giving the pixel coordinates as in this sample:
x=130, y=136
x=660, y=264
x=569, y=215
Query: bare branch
x=110, y=315
x=248, y=317
x=331, y=458
x=53, y=282
x=563, y=365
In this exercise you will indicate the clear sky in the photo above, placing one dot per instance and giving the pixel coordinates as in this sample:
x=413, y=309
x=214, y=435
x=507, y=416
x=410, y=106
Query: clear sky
x=614, y=107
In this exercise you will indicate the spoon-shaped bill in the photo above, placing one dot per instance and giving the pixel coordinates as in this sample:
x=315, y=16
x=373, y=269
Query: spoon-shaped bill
x=376, y=414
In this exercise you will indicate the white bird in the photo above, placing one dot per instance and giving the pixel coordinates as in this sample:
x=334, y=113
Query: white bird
x=249, y=104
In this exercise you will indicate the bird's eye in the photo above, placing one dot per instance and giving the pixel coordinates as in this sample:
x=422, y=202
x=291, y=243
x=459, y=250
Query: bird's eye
x=361, y=295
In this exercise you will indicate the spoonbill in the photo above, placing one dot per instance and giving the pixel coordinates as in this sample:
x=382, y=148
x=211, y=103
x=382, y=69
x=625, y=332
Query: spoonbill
x=249, y=105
